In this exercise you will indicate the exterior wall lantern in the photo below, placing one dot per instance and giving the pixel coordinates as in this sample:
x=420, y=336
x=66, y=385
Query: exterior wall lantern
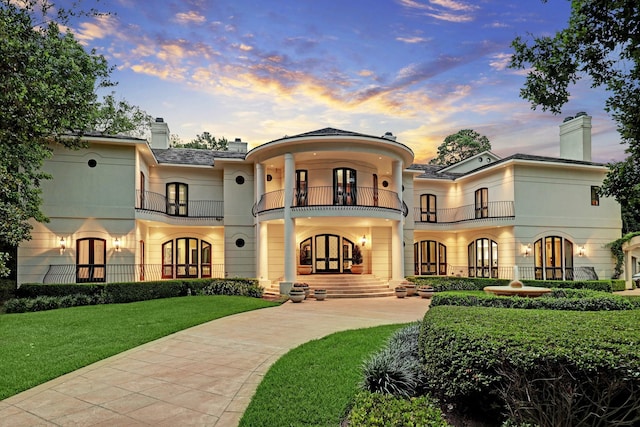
x=63, y=245
x=363, y=241
x=526, y=250
x=582, y=251
x=116, y=244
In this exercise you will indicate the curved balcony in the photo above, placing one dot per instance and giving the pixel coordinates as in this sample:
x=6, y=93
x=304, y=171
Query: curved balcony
x=157, y=203
x=491, y=210
x=331, y=198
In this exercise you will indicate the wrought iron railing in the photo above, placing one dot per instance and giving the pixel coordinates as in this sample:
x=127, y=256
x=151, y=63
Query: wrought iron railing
x=491, y=210
x=113, y=273
x=313, y=197
x=156, y=202
x=524, y=272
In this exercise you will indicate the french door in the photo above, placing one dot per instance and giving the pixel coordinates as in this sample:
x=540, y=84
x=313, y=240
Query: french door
x=327, y=253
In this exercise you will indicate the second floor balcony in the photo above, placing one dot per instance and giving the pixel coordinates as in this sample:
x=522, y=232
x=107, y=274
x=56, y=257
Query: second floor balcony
x=329, y=197
x=157, y=203
x=490, y=210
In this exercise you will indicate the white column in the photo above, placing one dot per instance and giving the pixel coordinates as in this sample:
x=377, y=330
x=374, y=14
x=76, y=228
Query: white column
x=259, y=181
x=263, y=254
x=397, y=232
x=289, y=223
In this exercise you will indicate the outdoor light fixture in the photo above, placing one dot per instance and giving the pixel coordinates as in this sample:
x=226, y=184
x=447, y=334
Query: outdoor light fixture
x=581, y=251
x=116, y=244
x=363, y=241
x=526, y=251
x=63, y=246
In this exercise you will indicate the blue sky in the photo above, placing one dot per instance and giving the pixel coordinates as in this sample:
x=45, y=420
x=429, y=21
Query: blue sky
x=259, y=70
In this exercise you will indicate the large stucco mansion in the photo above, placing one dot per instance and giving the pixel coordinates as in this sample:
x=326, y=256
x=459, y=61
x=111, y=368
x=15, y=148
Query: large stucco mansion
x=123, y=209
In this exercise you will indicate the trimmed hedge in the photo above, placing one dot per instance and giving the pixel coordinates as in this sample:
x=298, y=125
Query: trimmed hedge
x=558, y=299
x=618, y=285
x=546, y=367
x=448, y=283
x=36, y=296
x=7, y=289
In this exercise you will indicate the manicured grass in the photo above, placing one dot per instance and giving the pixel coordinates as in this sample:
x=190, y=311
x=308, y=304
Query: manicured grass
x=313, y=384
x=36, y=347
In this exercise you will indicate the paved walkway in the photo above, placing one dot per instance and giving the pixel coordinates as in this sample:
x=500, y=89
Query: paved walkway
x=205, y=375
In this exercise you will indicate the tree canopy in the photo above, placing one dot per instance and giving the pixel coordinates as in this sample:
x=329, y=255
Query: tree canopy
x=601, y=43
x=206, y=141
x=459, y=146
x=48, y=85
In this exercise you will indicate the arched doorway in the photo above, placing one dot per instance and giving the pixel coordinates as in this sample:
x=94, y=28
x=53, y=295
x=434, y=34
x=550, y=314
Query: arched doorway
x=331, y=253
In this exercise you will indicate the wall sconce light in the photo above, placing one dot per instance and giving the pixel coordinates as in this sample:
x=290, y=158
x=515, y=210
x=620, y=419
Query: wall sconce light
x=363, y=241
x=526, y=250
x=581, y=251
x=63, y=245
x=116, y=244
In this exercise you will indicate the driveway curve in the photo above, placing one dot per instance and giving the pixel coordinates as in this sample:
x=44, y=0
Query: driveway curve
x=204, y=375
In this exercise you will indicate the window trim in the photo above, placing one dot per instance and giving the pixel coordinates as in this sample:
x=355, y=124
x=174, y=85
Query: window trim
x=551, y=271
x=428, y=208
x=175, y=207
x=482, y=202
x=488, y=268
x=91, y=268
x=302, y=187
x=595, y=195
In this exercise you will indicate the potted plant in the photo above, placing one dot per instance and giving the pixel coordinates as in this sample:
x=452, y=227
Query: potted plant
x=320, y=294
x=304, y=267
x=401, y=291
x=411, y=288
x=296, y=294
x=356, y=260
x=304, y=287
x=425, y=291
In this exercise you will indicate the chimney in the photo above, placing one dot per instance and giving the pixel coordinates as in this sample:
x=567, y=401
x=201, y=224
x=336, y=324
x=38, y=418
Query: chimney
x=237, y=146
x=159, y=134
x=575, y=137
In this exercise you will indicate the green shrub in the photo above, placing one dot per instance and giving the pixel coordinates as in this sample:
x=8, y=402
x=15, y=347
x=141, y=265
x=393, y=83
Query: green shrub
x=558, y=299
x=594, y=285
x=378, y=410
x=23, y=305
x=7, y=289
x=241, y=287
x=143, y=291
x=32, y=290
x=618, y=285
x=450, y=283
x=524, y=363
x=396, y=369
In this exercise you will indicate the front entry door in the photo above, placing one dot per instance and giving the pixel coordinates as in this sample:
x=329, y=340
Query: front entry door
x=327, y=253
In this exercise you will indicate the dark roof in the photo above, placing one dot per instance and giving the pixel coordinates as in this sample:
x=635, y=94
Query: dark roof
x=329, y=132
x=433, y=171
x=96, y=134
x=184, y=156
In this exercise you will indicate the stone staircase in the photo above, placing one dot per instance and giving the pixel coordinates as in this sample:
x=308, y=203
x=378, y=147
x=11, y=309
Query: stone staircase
x=342, y=285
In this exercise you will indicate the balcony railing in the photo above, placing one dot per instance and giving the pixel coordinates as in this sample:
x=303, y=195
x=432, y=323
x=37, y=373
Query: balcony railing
x=524, y=272
x=113, y=273
x=491, y=210
x=155, y=202
x=327, y=196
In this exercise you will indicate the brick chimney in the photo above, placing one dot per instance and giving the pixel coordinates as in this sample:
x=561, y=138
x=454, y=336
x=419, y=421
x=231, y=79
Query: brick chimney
x=575, y=137
x=159, y=134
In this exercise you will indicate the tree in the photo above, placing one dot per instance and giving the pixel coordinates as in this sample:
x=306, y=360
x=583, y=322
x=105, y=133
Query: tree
x=600, y=42
x=206, y=141
x=118, y=116
x=623, y=183
x=48, y=86
x=459, y=146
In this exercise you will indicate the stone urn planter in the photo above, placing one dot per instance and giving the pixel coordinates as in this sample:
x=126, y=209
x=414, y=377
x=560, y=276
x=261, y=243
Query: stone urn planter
x=296, y=295
x=411, y=289
x=305, y=269
x=425, y=292
x=304, y=287
x=401, y=292
x=320, y=294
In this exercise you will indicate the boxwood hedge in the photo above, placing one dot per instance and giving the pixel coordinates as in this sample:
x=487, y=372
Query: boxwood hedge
x=450, y=283
x=545, y=367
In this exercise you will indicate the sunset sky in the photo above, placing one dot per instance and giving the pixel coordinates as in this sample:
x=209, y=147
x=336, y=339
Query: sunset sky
x=260, y=70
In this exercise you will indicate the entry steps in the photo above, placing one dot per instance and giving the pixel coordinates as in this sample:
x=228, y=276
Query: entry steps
x=342, y=285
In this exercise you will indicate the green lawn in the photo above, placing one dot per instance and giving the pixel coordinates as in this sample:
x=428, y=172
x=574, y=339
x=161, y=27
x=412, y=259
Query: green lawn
x=37, y=347
x=313, y=384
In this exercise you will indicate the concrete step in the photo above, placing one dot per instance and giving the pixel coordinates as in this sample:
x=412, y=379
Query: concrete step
x=342, y=285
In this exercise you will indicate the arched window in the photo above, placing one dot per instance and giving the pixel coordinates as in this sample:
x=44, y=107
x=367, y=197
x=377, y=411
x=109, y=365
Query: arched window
x=428, y=211
x=430, y=258
x=482, y=203
x=183, y=258
x=91, y=260
x=344, y=186
x=483, y=258
x=553, y=257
